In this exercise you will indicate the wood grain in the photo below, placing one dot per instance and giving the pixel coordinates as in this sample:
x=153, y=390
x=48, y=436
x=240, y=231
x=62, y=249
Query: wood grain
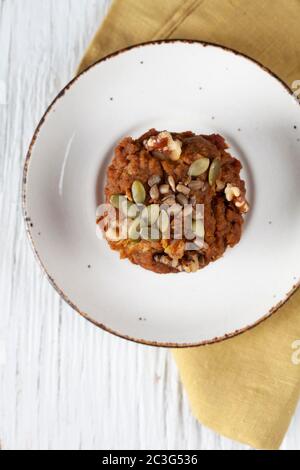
x=64, y=384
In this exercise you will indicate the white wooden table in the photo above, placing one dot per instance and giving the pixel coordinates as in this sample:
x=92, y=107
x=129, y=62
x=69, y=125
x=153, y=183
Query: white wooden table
x=64, y=384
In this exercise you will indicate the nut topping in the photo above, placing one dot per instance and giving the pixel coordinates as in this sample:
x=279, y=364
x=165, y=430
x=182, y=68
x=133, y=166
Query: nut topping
x=181, y=188
x=164, y=189
x=196, y=184
x=242, y=204
x=138, y=192
x=171, y=182
x=116, y=200
x=233, y=193
x=214, y=171
x=154, y=192
x=154, y=179
x=169, y=200
x=171, y=192
x=182, y=199
x=198, y=167
x=164, y=144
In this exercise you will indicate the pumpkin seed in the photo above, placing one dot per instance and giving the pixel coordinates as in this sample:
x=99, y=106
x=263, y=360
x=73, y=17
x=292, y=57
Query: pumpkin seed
x=214, y=171
x=163, y=222
x=138, y=192
x=154, y=192
x=198, y=228
x=133, y=232
x=116, y=200
x=198, y=167
x=151, y=213
x=154, y=179
x=149, y=233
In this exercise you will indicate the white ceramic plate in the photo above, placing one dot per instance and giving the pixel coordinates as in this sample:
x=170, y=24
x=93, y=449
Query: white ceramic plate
x=174, y=85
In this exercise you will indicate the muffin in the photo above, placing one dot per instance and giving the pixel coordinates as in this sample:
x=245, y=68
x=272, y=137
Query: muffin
x=175, y=201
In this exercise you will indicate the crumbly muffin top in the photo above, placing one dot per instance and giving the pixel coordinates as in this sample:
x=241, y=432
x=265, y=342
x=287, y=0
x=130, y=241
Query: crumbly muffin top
x=179, y=200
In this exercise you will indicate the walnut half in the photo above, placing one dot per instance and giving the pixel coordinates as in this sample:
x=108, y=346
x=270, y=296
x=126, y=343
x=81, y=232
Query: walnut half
x=165, y=145
x=233, y=193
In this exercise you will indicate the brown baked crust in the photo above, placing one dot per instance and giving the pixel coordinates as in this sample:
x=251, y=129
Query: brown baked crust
x=222, y=219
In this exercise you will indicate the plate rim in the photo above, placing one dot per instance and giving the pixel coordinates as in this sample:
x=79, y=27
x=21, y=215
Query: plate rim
x=176, y=345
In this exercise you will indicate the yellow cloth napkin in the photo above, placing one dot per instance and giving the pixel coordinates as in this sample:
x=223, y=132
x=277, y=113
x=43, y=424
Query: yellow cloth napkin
x=247, y=387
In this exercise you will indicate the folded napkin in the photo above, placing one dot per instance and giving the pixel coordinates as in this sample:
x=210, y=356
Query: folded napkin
x=247, y=387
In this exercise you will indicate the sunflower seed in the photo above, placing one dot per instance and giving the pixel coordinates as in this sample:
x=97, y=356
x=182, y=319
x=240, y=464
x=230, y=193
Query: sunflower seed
x=182, y=199
x=138, y=192
x=154, y=192
x=198, y=167
x=183, y=189
x=164, y=189
x=169, y=200
x=171, y=182
x=154, y=179
x=214, y=171
x=196, y=184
